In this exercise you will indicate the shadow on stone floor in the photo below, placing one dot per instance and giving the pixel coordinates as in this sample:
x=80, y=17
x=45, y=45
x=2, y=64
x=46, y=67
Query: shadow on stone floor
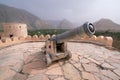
x=34, y=61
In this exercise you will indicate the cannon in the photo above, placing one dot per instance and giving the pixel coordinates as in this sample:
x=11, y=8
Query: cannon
x=56, y=47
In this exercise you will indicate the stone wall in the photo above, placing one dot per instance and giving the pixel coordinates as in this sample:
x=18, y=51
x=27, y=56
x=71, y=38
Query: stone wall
x=102, y=40
x=14, y=29
x=106, y=41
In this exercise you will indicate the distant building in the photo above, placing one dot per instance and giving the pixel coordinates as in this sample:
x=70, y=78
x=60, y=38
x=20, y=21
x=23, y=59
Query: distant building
x=14, y=30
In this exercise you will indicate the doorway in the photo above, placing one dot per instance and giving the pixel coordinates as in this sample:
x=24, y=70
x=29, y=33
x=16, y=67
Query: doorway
x=11, y=35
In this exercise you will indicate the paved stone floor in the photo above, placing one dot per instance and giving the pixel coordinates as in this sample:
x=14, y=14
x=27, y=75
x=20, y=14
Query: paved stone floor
x=88, y=62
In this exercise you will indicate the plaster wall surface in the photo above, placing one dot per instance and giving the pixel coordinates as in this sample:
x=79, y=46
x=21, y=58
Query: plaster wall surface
x=14, y=29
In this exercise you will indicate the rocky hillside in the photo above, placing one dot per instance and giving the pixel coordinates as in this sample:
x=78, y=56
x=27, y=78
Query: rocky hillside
x=65, y=24
x=61, y=24
x=107, y=25
x=11, y=14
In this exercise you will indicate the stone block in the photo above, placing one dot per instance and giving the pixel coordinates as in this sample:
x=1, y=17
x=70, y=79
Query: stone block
x=60, y=78
x=22, y=38
x=37, y=71
x=41, y=36
x=78, y=66
x=55, y=71
x=108, y=41
x=53, y=66
x=94, y=61
x=14, y=38
x=1, y=43
x=90, y=67
x=6, y=40
x=47, y=36
x=88, y=76
x=100, y=39
x=110, y=74
x=117, y=71
x=38, y=77
x=35, y=38
x=75, y=57
x=28, y=38
x=33, y=65
x=70, y=72
x=6, y=73
x=93, y=38
x=19, y=76
x=84, y=60
x=108, y=66
x=17, y=65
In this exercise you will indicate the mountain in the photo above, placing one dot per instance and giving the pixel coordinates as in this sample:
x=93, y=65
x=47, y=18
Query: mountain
x=54, y=23
x=11, y=14
x=65, y=24
x=61, y=24
x=106, y=25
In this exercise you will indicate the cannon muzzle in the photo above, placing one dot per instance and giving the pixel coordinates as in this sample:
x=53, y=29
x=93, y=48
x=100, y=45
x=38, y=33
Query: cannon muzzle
x=86, y=29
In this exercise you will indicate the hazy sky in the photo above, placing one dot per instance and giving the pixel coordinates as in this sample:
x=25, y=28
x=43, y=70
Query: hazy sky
x=74, y=10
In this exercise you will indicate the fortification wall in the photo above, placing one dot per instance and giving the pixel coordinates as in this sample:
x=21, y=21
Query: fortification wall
x=14, y=29
x=106, y=41
x=1, y=34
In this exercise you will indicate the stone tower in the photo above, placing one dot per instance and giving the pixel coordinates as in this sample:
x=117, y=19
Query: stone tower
x=14, y=30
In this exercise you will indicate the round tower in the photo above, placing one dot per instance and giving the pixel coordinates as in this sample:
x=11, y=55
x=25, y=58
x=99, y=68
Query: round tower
x=15, y=29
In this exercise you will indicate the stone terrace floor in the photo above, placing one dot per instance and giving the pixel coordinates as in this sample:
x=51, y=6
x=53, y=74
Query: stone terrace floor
x=88, y=62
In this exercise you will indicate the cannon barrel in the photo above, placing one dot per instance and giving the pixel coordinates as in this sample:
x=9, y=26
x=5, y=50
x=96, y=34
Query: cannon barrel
x=86, y=29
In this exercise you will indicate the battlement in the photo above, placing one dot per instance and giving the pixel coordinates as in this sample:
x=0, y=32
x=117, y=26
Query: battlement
x=106, y=41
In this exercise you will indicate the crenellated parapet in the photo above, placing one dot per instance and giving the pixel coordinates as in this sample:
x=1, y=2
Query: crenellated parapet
x=103, y=40
x=107, y=41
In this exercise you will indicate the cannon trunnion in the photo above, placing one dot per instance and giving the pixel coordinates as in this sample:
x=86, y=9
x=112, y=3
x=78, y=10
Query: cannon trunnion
x=56, y=47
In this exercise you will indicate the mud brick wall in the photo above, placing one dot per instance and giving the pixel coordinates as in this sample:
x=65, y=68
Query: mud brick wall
x=107, y=41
